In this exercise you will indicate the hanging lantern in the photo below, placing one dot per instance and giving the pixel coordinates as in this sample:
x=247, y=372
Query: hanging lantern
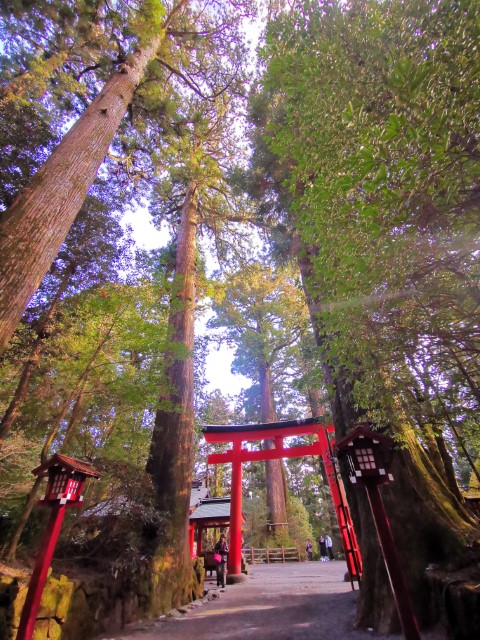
x=368, y=454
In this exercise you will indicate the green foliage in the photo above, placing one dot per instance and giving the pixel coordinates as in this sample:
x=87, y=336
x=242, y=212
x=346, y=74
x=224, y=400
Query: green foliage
x=18, y=456
x=299, y=527
x=18, y=161
x=255, y=528
x=216, y=410
x=262, y=313
x=147, y=20
x=382, y=184
x=104, y=360
x=256, y=517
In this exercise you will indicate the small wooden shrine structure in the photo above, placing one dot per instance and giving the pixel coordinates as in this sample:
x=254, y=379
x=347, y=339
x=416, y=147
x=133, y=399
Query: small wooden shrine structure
x=212, y=513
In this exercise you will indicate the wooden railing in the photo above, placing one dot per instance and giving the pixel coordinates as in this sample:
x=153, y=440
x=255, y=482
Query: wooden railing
x=267, y=556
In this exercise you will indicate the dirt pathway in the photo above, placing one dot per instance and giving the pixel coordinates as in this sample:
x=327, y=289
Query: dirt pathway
x=305, y=601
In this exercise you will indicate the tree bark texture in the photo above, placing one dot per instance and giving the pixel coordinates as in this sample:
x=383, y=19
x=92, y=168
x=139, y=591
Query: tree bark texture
x=172, y=453
x=30, y=365
x=433, y=434
x=428, y=524
x=316, y=402
x=34, y=227
x=275, y=475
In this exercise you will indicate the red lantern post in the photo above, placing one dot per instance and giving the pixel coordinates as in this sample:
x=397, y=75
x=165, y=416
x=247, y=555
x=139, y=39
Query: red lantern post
x=66, y=480
x=367, y=452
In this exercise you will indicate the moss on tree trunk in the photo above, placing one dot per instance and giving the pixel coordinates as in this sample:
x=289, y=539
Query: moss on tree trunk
x=171, y=453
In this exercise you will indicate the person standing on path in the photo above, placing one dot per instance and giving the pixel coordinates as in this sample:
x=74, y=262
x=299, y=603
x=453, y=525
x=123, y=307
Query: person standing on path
x=309, y=550
x=323, y=549
x=329, y=545
x=221, y=549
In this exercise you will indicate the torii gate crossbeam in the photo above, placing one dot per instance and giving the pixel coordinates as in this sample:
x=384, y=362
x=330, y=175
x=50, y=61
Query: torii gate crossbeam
x=277, y=431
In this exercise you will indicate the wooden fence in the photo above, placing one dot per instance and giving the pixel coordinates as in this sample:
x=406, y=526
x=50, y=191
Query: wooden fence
x=267, y=556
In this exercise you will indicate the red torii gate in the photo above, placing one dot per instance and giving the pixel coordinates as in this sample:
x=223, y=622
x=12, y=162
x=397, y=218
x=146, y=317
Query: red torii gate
x=277, y=431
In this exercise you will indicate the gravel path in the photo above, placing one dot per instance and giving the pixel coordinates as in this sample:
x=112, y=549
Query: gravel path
x=294, y=601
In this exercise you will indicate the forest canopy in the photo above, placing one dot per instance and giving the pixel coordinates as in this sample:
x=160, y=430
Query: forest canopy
x=322, y=211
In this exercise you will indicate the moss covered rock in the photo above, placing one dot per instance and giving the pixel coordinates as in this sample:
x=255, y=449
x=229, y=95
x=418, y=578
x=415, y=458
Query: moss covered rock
x=67, y=588
x=41, y=630
x=198, y=578
x=18, y=605
x=54, y=629
x=79, y=623
x=51, y=597
x=74, y=609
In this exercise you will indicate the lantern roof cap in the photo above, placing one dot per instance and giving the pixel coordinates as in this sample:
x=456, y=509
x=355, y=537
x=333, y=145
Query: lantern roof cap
x=71, y=464
x=363, y=430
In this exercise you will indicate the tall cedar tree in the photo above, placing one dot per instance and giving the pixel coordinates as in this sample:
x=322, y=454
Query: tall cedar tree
x=198, y=144
x=35, y=225
x=82, y=262
x=260, y=324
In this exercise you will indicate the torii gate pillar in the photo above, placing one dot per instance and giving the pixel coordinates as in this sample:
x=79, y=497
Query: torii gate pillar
x=235, y=574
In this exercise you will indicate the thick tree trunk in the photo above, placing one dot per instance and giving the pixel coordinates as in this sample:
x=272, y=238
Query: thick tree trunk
x=440, y=458
x=275, y=475
x=428, y=524
x=172, y=453
x=34, y=227
x=432, y=432
x=13, y=408
x=316, y=402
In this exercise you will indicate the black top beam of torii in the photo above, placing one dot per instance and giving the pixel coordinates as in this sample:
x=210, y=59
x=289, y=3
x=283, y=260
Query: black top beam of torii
x=262, y=426
x=277, y=431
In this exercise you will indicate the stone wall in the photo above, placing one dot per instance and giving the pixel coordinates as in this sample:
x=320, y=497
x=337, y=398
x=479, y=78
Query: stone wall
x=79, y=609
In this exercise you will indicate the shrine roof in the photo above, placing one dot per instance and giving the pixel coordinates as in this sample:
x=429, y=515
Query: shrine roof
x=213, y=509
x=265, y=426
x=198, y=492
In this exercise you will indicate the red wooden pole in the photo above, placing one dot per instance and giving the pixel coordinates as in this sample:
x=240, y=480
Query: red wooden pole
x=392, y=562
x=191, y=539
x=39, y=575
x=347, y=532
x=199, y=540
x=235, y=554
